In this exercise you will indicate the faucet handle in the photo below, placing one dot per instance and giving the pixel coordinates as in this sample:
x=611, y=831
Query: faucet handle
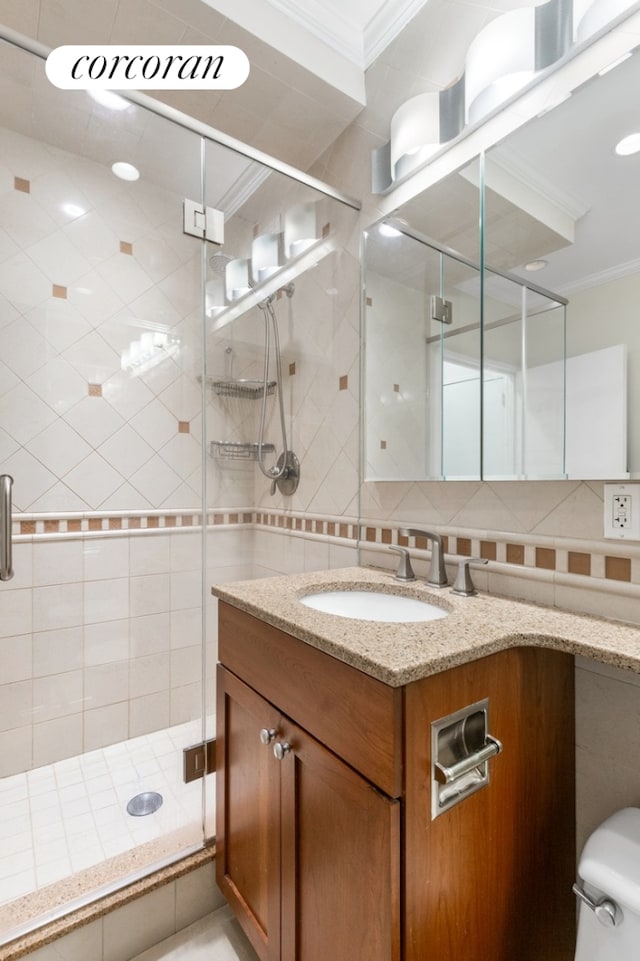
x=463, y=584
x=405, y=570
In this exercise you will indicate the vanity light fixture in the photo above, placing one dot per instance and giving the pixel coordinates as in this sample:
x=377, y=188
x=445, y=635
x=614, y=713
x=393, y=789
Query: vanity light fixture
x=536, y=265
x=125, y=171
x=628, y=145
x=504, y=57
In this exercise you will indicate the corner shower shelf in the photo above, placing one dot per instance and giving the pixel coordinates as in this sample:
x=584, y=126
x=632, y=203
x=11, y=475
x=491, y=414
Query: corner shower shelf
x=232, y=450
x=242, y=388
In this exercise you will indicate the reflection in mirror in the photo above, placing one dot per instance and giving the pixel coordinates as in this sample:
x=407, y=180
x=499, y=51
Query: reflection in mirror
x=523, y=382
x=573, y=210
x=478, y=392
x=422, y=360
x=421, y=357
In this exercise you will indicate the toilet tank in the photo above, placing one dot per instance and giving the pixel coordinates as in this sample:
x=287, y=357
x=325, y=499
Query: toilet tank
x=610, y=868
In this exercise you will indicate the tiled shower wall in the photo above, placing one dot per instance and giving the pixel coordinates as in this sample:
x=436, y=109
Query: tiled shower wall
x=101, y=627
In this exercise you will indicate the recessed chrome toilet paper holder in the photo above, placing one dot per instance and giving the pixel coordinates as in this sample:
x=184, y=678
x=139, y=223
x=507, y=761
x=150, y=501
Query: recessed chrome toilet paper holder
x=461, y=748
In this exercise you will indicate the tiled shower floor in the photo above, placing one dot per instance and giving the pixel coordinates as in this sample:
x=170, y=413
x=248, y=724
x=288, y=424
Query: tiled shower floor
x=70, y=819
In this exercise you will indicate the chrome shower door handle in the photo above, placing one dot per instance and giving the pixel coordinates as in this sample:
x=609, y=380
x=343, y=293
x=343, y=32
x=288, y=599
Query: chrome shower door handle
x=6, y=559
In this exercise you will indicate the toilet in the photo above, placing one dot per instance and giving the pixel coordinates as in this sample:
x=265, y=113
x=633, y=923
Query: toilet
x=608, y=887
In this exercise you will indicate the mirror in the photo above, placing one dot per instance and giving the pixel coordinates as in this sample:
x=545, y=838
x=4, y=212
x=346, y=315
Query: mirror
x=556, y=197
x=464, y=369
x=422, y=339
x=575, y=209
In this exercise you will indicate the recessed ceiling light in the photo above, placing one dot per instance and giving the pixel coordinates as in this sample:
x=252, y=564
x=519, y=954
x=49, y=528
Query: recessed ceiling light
x=536, y=265
x=388, y=231
x=628, y=145
x=72, y=210
x=125, y=171
x=107, y=98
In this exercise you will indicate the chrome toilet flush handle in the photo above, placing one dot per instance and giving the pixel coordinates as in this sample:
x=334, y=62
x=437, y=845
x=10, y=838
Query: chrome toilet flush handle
x=606, y=910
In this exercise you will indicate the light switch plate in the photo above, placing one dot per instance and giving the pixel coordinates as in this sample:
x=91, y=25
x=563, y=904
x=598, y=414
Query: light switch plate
x=622, y=511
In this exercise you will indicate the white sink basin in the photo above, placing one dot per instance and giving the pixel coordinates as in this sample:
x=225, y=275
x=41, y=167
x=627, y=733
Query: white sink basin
x=373, y=606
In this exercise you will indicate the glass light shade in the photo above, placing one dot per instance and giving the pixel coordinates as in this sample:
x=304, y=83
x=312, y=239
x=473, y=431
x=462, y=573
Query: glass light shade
x=415, y=128
x=500, y=61
x=266, y=256
x=236, y=279
x=589, y=16
x=300, y=229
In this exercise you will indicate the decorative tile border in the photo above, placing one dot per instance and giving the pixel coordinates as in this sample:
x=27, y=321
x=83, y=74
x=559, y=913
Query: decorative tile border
x=587, y=559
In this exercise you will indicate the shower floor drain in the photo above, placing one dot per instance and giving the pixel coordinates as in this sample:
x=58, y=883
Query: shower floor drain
x=143, y=804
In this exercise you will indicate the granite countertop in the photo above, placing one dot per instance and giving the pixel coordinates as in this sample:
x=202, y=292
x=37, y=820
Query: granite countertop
x=402, y=652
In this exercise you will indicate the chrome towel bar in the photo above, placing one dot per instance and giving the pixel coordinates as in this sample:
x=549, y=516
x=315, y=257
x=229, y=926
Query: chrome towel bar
x=6, y=561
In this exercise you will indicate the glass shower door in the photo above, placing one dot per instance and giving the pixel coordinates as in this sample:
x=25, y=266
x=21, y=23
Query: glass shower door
x=101, y=372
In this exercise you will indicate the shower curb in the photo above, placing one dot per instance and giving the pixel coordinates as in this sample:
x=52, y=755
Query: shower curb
x=53, y=930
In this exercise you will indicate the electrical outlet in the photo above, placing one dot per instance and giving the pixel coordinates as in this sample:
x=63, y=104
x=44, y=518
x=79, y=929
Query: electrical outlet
x=622, y=511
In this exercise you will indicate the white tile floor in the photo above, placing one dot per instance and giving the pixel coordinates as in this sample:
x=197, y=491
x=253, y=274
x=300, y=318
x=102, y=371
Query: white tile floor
x=71, y=815
x=216, y=937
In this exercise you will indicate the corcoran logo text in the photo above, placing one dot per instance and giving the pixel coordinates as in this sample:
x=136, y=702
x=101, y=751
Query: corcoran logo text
x=77, y=67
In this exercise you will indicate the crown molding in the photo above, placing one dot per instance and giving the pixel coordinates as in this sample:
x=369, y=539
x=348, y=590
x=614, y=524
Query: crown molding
x=327, y=24
x=385, y=25
x=360, y=44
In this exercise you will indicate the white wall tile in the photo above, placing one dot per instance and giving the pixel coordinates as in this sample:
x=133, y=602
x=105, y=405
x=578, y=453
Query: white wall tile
x=140, y=924
x=16, y=750
x=81, y=945
x=57, y=562
x=105, y=557
x=15, y=658
x=57, y=607
x=150, y=594
x=105, y=642
x=106, y=725
x=106, y=600
x=57, y=652
x=149, y=675
x=57, y=695
x=56, y=739
x=15, y=704
x=150, y=634
x=16, y=612
x=196, y=895
x=150, y=554
x=106, y=684
x=149, y=713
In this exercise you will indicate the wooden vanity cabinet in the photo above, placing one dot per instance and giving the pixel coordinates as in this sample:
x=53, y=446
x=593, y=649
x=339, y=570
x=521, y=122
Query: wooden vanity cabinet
x=331, y=854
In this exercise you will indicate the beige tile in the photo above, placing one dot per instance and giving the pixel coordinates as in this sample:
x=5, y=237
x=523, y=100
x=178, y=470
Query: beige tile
x=196, y=895
x=140, y=924
x=149, y=713
x=57, y=739
x=578, y=515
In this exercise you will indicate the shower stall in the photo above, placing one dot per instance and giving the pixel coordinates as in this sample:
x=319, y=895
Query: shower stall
x=135, y=412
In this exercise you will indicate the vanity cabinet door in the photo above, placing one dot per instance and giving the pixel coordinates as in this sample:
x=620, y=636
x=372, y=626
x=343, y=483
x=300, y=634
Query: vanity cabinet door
x=248, y=813
x=307, y=850
x=340, y=858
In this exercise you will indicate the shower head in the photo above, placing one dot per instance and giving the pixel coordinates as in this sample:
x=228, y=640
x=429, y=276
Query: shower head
x=219, y=261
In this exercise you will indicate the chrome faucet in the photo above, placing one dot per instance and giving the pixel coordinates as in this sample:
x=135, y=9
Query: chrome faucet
x=437, y=572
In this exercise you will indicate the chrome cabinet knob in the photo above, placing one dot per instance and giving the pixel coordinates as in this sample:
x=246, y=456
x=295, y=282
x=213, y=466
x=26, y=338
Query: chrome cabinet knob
x=267, y=735
x=280, y=748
